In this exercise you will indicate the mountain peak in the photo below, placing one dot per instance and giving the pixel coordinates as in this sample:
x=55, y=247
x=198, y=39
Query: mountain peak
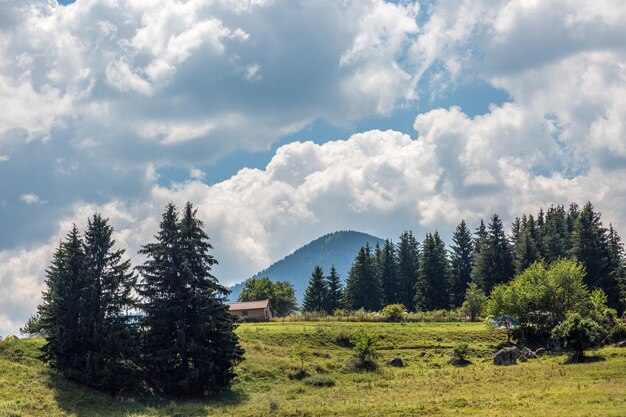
x=336, y=248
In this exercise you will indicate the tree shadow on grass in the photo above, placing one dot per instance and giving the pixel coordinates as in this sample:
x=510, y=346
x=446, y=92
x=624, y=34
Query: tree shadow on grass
x=576, y=359
x=81, y=401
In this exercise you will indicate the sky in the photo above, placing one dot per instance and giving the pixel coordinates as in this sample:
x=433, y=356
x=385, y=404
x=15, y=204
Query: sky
x=283, y=120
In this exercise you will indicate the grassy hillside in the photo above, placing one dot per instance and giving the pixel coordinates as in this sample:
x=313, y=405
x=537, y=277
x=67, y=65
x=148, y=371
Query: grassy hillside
x=338, y=248
x=427, y=386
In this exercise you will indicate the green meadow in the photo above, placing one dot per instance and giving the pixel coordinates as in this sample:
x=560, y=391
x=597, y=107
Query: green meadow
x=426, y=386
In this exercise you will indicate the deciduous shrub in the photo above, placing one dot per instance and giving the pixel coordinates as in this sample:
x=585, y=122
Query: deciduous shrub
x=365, y=353
x=475, y=302
x=458, y=355
x=394, y=312
x=577, y=334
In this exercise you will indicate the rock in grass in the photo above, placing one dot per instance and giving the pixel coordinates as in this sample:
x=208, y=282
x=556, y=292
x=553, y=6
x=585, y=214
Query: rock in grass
x=507, y=356
x=621, y=343
x=529, y=354
x=540, y=352
x=397, y=362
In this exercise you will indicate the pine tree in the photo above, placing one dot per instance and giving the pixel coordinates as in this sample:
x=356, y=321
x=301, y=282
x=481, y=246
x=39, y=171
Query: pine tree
x=315, y=296
x=111, y=335
x=493, y=263
x=335, y=291
x=590, y=246
x=516, y=231
x=617, y=265
x=62, y=310
x=389, y=274
x=408, y=264
x=432, y=290
x=525, y=251
x=461, y=259
x=189, y=345
x=363, y=288
x=555, y=237
x=572, y=214
x=479, y=264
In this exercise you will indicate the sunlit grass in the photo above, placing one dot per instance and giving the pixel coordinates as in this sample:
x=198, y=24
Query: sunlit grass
x=426, y=386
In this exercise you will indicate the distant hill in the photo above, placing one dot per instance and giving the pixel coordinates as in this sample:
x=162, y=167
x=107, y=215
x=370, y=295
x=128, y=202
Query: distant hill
x=338, y=248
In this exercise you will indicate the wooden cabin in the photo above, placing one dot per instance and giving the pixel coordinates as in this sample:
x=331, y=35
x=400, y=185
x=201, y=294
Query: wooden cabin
x=251, y=310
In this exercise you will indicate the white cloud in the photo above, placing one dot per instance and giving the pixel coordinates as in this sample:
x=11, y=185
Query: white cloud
x=115, y=71
x=31, y=198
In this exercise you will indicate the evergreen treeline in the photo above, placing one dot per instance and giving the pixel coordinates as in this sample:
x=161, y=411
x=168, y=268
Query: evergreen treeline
x=428, y=277
x=169, y=330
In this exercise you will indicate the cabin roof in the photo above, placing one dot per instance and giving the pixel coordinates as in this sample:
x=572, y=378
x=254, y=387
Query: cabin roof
x=248, y=305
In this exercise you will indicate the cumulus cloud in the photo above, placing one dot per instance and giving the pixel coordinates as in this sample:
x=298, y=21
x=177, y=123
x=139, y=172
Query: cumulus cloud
x=31, y=198
x=199, y=71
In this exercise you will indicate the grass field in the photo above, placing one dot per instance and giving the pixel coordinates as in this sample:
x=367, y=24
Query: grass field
x=427, y=386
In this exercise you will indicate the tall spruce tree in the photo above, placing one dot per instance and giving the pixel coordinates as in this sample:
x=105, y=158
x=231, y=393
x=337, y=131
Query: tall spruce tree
x=590, y=246
x=189, y=345
x=363, y=288
x=408, y=264
x=62, y=311
x=479, y=264
x=389, y=274
x=617, y=265
x=572, y=214
x=111, y=334
x=493, y=263
x=316, y=293
x=461, y=259
x=516, y=231
x=432, y=290
x=526, y=252
x=335, y=291
x=555, y=239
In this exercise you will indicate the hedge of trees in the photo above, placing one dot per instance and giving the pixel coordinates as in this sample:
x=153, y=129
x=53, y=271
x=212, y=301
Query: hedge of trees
x=168, y=332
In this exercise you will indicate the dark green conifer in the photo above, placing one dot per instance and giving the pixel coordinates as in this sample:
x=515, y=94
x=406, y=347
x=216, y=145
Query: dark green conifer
x=189, y=345
x=316, y=293
x=363, y=288
x=461, y=259
x=493, y=263
x=526, y=252
x=590, y=246
x=432, y=290
x=555, y=237
x=617, y=265
x=389, y=275
x=408, y=264
x=110, y=318
x=62, y=311
x=335, y=291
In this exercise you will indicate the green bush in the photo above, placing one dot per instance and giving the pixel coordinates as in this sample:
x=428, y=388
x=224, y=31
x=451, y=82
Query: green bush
x=394, y=312
x=301, y=353
x=577, y=334
x=461, y=350
x=618, y=332
x=475, y=302
x=458, y=355
x=365, y=352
